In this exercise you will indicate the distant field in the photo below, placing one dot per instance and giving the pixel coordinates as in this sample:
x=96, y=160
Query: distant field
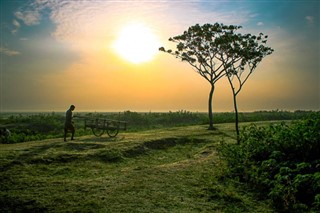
x=173, y=169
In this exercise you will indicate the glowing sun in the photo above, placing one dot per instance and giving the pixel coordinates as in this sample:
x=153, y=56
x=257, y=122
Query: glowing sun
x=137, y=43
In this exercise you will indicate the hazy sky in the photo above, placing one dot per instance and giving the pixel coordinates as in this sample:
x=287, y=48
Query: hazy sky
x=57, y=52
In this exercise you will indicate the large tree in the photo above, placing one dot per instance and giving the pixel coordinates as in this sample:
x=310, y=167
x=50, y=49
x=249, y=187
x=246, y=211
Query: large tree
x=240, y=59
x=204, y=48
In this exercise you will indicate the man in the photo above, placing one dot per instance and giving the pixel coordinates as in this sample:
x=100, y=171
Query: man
x=68, y=126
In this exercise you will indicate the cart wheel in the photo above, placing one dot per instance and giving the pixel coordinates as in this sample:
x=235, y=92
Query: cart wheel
x=97, y=132
x=112, y=132
x=113, y=129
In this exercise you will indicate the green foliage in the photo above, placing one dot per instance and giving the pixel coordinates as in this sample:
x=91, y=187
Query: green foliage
x=281, y=161
x=200, y=45
x=37, y=126
x=156, y=120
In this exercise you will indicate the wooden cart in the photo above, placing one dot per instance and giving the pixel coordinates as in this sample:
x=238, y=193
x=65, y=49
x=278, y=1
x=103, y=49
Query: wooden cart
x=101, y=125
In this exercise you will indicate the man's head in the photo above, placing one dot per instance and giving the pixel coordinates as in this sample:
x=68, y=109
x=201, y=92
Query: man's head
x=72, y=107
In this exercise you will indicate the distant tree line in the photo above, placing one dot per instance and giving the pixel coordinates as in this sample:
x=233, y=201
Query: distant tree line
x=31, y=127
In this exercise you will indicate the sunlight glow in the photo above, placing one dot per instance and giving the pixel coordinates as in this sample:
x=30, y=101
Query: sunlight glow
x=137, y=43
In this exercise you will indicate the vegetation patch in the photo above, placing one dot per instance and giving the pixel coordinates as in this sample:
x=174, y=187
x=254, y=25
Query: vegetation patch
x=281, y=161
x=54, y=158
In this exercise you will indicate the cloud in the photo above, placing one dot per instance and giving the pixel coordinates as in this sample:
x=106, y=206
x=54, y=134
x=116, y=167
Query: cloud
x=309, y=19
x=16, y=25
x=260, y=23
x=8, y=52
x=28, y=17
x=82, y=20
x=253, y=15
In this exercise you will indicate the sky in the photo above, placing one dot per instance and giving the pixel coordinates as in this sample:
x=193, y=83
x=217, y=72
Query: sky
x=54, y=53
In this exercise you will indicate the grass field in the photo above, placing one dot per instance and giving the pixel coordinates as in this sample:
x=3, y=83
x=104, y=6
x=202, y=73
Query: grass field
x=164, y=170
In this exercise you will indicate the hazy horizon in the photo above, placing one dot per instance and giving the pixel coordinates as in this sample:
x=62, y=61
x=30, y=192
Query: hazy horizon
x=148, y=111
x=103, y=56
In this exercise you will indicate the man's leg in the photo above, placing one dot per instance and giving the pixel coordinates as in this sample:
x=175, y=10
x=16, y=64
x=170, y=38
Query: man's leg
x=72, y=132
x=65, y=134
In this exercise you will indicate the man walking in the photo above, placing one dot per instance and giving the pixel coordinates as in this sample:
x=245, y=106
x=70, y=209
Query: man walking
x=68, y=126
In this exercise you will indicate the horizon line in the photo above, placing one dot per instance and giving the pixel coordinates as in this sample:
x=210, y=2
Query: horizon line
x=155, y=111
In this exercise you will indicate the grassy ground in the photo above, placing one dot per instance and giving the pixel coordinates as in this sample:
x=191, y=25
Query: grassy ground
x=163, y=170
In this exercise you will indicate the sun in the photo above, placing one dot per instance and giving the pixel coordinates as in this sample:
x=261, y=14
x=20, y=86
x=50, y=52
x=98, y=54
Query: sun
x=137, y=43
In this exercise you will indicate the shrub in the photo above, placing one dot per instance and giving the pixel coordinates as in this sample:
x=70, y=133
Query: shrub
x=280, y=161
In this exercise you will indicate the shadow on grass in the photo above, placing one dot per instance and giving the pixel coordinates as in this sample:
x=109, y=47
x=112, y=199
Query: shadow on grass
x=28, y=155
x=161, y=144
x=221, y=132
x=9, y=204
x=102, y=139
x=82, y=146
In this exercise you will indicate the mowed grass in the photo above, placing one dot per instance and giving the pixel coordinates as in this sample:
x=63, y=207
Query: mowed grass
x=163, y=170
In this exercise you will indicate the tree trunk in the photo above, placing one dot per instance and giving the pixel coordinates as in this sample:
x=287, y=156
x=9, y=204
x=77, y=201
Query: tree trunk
x=210, y=108
x=236, y=115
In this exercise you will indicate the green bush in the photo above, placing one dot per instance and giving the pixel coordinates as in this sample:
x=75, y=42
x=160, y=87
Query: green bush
x=281, y=161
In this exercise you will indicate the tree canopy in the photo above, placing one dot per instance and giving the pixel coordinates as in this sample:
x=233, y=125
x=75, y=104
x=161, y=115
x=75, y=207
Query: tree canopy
x=216, y=50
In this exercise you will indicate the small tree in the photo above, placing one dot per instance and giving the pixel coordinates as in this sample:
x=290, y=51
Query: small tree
x=241, y=60
x=204, y=48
